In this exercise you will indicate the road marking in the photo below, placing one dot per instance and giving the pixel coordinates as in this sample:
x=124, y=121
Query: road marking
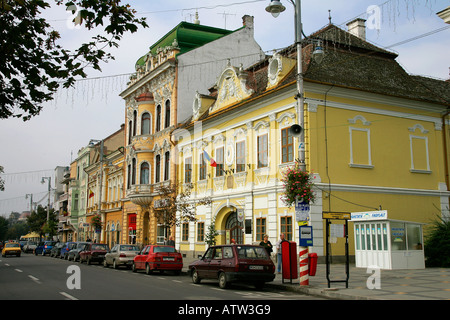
x=18, y=270
x=34, y=279
x=68, y=296
x=177, y=281
x=7, y=264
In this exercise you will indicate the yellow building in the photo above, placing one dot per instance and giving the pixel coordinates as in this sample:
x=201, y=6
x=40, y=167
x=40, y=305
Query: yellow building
x=105, y=189
x=374, y=138
x=157, y=99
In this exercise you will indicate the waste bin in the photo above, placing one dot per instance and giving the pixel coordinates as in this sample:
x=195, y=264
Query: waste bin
x=312, y=264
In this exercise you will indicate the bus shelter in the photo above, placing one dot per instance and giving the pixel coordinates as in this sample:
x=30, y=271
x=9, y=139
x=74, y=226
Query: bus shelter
x=386, y=243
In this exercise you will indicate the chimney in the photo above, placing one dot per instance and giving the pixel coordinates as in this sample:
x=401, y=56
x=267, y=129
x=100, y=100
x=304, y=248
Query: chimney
x=247, y=21
x=357, y=28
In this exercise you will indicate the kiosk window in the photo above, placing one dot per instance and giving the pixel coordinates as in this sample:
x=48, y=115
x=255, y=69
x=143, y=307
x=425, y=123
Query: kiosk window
x=385, y=237
x=380, y=245
x=358, y=238
x=368, y=237
x=414, y=234
x=398, y=238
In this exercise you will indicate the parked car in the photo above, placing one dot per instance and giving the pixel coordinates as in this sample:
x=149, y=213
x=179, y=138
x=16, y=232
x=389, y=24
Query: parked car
x=29, y=246
x=74, y=254
x=44, y=248
x=56, y=250
x=64, y=252
x=121, y=255
x=39, y=248
x=158, y=257
x=234, y=263
x=11, y=248
x=94, y=252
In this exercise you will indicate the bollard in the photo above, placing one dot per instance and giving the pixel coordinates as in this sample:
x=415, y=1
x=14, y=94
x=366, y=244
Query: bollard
x=304, y=277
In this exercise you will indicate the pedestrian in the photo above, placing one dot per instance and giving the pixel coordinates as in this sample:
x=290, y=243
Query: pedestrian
x=279, y=256
x=171, y=242
x=266, y=244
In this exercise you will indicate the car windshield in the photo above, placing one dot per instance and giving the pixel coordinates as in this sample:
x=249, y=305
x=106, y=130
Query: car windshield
x=129, y=248
x=252, y=252
x=164, y=249
x=12, y=245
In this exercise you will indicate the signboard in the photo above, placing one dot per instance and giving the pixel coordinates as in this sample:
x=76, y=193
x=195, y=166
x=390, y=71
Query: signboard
x=306, y=236
x=301, y=212
x=336, y=215
x=369, y=215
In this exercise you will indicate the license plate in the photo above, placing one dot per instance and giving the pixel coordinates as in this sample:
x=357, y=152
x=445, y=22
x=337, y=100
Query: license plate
x=256, y=267
x=168, y=259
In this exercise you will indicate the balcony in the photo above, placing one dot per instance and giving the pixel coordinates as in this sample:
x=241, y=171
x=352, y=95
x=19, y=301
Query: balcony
x=140, y=194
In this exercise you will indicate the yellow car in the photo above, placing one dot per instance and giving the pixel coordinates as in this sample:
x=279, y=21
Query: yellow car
x=11, y=248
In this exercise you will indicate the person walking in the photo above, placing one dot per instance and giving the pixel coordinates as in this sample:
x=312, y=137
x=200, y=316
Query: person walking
x=267, y=244
x=279, y=255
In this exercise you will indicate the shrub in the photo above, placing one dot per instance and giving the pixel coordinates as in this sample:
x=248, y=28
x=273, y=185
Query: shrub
x=437, y=244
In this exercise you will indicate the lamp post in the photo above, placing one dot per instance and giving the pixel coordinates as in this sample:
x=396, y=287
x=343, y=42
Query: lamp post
x=49, y=188
x=297, y=130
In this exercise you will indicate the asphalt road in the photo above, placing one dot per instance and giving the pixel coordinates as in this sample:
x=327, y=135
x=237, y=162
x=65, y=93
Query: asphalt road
x=32, y=277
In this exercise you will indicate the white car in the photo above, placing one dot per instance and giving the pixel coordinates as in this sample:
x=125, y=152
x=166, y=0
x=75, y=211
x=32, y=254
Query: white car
x=29, y=246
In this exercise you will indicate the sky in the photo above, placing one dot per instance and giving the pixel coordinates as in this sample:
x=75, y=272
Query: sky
x=93, y=109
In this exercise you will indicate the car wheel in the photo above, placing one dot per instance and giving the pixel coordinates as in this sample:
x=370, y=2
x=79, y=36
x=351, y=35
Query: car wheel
x=115, y=266
x=147, y=269
x=195, y=278
x=88, y=260
x=223, y=283
x=133, y=267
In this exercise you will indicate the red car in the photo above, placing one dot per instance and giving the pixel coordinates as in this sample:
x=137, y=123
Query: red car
x=158, y=257
x=94, y=252
x=234, y=263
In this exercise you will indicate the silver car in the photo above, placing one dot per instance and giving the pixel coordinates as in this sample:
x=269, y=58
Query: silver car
x=121, y=255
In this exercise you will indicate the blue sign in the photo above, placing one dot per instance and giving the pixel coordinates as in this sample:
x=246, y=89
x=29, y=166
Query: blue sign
x=306, y=236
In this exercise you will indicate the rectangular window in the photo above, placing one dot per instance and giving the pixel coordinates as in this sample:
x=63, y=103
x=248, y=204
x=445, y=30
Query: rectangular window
x=200, y=231
x=188, y=170
x=360, y=154
x=240, y=156
x=260, y=228
x=263, y=151
x=420, y=161
x=287, y=146
x=202, y=168
x=286, y=227
x=219, y=161
x=185, y=232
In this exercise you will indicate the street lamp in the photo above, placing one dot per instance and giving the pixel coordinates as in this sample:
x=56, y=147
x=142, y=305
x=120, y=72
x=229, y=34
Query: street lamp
x=297, y=130
x=49, y=188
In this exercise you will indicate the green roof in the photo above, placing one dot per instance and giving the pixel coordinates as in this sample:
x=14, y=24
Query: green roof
x=189, y=36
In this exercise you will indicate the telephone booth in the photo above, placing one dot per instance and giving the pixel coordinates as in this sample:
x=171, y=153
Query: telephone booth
x=386, y=243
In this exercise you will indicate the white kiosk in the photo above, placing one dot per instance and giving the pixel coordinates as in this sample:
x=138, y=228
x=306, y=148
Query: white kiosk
x=385, y=243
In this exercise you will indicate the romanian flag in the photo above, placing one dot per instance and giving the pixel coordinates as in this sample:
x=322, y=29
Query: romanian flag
x=211, y=161
x=91, y=194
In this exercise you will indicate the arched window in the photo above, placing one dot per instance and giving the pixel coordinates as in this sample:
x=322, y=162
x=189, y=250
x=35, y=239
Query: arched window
x=166, y=165
x=144, y=173
x=130, y=131
x=134, y=122
x=158, y=118
x=133, y=171
x=167, y=115
x=157, y=168
x=145, y=123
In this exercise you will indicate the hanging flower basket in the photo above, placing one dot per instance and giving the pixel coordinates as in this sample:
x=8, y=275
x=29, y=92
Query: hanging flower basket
x=297, y=183
x=96, y=222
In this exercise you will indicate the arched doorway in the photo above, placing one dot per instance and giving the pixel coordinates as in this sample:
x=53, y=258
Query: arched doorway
x=234, y=229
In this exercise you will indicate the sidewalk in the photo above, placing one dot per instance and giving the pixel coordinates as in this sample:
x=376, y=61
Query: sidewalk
x=422, y=284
